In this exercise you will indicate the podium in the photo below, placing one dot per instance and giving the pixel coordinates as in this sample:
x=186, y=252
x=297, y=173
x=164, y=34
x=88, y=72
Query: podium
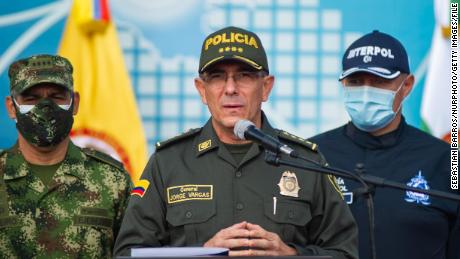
x=194, y=252
x=220, y=257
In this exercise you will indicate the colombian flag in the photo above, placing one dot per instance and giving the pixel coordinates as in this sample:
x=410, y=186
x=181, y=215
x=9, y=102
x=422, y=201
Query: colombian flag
x=140, y=188
x=108, y=119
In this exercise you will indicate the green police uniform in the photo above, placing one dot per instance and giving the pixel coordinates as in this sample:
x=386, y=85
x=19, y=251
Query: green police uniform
x=76, y=216
x=192, y=188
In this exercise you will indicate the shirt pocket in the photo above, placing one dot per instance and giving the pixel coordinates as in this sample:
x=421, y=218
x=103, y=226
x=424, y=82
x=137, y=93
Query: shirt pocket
x=95, y=231
x=290, y=216
x=191, y=222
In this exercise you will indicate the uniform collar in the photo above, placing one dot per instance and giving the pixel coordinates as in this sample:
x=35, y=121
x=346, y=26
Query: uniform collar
x=20, y=167
x=208, y=141
x=367, y=140
x=75, y=158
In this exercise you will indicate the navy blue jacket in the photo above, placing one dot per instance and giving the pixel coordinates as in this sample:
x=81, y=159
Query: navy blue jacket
x=407, y=225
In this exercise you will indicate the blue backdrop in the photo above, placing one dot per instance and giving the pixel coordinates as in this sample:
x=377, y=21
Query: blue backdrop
x=161, y=41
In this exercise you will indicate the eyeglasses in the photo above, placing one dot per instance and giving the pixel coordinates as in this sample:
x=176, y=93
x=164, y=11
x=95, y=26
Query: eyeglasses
x=242, y=78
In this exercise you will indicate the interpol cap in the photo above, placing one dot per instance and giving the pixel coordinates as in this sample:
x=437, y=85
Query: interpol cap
x=232, y=43
x=376, y=53
x=43, y=68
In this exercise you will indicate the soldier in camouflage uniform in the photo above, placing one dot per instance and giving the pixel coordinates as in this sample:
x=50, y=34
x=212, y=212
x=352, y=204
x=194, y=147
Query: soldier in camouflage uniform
x=56, y=199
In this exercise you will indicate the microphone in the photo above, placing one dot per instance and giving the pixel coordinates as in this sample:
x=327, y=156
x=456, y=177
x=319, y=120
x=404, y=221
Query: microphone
x=246, y=130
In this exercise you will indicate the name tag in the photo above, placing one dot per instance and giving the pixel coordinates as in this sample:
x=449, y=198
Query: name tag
x=189, y=192
x=93, y=217
x=94, y=211
x=82, y=220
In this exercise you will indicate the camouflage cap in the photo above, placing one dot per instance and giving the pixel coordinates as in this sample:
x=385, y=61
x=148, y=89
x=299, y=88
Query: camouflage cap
x=236, y=44
x=25, y=73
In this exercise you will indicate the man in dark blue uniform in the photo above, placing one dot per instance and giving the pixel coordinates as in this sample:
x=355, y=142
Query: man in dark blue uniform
x=376, y=78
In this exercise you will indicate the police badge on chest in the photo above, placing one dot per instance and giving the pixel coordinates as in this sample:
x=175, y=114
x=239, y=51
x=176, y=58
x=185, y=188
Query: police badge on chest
x=289, y=186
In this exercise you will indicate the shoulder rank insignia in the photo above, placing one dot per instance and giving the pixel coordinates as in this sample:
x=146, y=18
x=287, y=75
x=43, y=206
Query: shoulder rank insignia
x=289, y=186
x=140, y=188
x=288, y=136
x=204, y=145
x=189, y=133
x=418, y=181
x=103, y=157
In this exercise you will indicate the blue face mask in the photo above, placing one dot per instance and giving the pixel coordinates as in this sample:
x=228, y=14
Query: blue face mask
x=370, y=108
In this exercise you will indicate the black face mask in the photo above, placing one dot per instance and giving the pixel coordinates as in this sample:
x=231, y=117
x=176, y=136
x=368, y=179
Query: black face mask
x=46, y=124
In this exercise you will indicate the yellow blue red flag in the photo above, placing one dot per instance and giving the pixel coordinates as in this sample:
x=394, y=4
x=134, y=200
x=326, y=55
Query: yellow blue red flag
x=108, y=118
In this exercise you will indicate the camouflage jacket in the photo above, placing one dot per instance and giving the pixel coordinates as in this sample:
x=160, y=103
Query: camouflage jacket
x=77, y=216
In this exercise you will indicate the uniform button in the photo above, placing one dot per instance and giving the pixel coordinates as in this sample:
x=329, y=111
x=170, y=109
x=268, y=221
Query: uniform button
x=238, y=174
x=291, y=214
x=188, y=214
x=239, y=206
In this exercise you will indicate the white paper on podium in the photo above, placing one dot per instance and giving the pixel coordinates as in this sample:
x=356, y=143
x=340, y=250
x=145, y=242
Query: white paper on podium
x=177, y=251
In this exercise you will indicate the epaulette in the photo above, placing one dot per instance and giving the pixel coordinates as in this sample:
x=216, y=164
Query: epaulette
x=288, y=136
x=188, y=133
x=103, y=158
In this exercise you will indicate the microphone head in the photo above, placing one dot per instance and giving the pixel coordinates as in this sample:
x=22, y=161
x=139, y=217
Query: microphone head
x=240, y=128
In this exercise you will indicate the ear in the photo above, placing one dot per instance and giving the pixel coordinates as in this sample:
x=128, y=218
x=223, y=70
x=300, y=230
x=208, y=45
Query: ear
x=76, y=102
x=10, y=108
x=408, y=85
x=269, y=81
x=200, y=86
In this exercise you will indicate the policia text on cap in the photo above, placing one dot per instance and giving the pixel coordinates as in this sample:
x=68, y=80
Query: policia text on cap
x=209, y=188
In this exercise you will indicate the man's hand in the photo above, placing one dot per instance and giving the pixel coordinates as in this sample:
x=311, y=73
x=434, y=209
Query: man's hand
x=264, y=243
x=231, y=237
x=256, y=241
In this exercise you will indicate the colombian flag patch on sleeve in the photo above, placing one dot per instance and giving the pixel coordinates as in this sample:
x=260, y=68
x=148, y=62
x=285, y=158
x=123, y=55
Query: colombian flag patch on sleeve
x=140, y=188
